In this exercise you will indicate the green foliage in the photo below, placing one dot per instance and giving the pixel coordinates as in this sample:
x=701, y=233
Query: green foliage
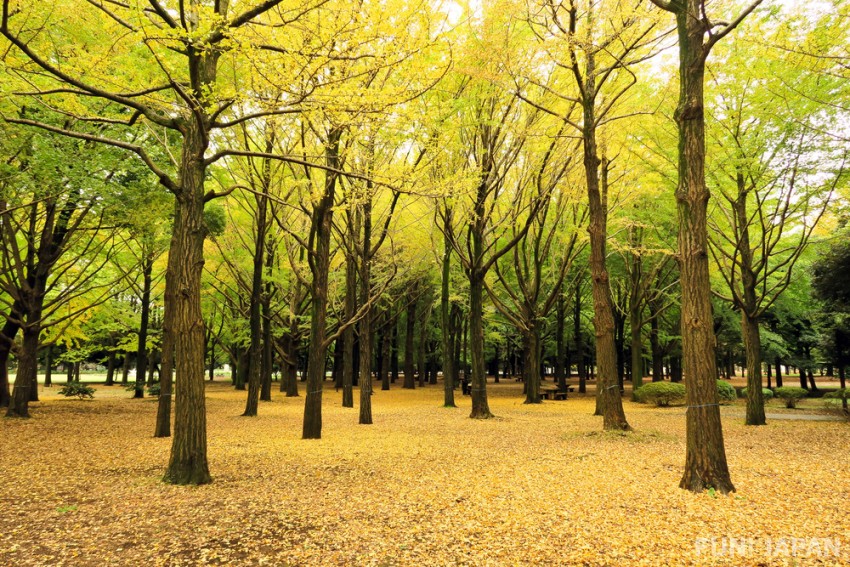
x=767, y=393
x=725, y=392
x=791, y=395
x=660, y=393
x=77, y=389
x=840, y=394
x=154, y=390
x=216, y=220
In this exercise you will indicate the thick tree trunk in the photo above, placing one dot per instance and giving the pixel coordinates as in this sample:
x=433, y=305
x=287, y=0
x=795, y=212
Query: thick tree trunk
x=188, y=461
x=26, y=376
x=290, y=348
x=752, y=344
x=480, y=406
x=7, y=338
x=110, y=368
x=705, y=460
x=532, y=365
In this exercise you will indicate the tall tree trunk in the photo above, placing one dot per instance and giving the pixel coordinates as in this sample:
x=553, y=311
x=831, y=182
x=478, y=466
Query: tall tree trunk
x=560, y=345
x=579, y=343
x=394, y=366
x=752, y=344
x=422, y=344
x=409, y=381
x=636, y=322
x=608, y=389
x=188, y=461
x=749, y=306
x=532, y=365
x=365, y=379
x=480, y=406
x=705, y=460
x=255, y=349
x=267, y=363
x=446, y=323
x=655, y=344
x=142, y=348
x=385, y=352
x=321, y=235
x=351, y=271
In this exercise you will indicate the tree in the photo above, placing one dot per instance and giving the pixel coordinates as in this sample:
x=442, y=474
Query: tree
x=196, y=41
x=705, y=460
x=775, y=173
x=533, y=280
x=597, y=55
x=49, y=219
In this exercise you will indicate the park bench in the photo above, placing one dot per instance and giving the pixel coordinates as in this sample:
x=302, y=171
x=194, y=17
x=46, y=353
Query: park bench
x=554, y=393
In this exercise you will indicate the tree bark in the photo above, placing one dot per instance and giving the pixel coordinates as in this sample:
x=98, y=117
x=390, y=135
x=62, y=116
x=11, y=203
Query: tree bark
x=110, y=368
x=705, y=460
x=188, y=461
x=26, y=376
x=480, y=405
x=560, y=344
x=409, y=372
x=351, y=274
x=532, y=366
x=255, y=348
x=142, y=348
x=608, y=389
x=579, y=343
x=321, y=236
x=48, y=366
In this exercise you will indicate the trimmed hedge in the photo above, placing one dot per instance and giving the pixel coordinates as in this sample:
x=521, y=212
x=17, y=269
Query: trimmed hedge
x=725, y=392
x=791, y=395
x=660, y=393
x=767, y=393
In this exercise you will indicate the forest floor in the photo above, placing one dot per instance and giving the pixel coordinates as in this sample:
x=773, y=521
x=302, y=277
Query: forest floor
x=425, y=485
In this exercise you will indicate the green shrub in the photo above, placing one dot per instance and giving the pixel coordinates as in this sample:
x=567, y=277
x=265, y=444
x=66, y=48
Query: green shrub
x=77, y=389
x=153, y=389
x=791, y=395
x=725, y=392
x=767, y=393
x=660, y=393
x=842, y=394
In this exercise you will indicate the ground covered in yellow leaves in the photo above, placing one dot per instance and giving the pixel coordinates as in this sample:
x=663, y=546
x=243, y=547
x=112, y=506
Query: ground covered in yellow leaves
x=424, y=485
